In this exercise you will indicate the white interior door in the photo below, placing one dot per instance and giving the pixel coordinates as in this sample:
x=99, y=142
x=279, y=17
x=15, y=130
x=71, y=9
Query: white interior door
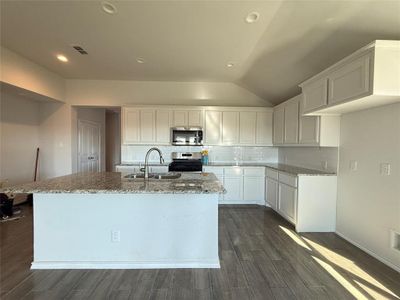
x=89, y=146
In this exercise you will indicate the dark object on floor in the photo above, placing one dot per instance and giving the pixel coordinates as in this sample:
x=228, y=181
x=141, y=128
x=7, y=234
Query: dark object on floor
x=6, y=206
x=8, y=211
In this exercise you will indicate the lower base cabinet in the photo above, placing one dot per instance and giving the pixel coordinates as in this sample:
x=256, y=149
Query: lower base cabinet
x=271, y=193
x=243, y=185
x=287, y=201
x=309, y=201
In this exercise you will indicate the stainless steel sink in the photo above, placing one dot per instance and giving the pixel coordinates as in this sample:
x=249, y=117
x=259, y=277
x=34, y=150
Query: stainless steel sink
x=157, y=176
x=171, y=175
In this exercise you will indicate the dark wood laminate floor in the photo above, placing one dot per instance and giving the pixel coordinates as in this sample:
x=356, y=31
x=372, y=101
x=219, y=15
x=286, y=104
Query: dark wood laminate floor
x=261, y=258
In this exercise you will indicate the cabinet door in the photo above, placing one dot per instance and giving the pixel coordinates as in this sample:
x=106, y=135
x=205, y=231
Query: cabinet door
x=180, y=118
x=234, y=189
x=291, y=127
x=279, y=125
x=127, y=169
x=195, y=118
x=350, y=81
x=272, y=193
x=147, y=126
x=308, y=128
x=130, y=126
x=163, y=124
x=315, y=94
x=287, y=202
x=230, y=127
x=253, y=189
x=264, y=128
x=213, y=127
x=247, y=127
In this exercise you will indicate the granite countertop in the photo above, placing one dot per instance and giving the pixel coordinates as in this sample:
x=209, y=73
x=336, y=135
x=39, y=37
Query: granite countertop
x=114, y=182
x=279, y=167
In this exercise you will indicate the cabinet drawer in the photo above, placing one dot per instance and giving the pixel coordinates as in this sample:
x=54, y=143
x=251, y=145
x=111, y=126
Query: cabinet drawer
x=218, y=171
x=259, y=172
x=271, y=173
x=233, y=171
x=288, y=179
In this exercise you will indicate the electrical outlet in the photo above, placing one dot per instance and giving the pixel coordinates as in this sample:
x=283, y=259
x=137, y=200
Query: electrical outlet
x=115, y=236
x=385, y=169
x=324, y=165
x=353, y=165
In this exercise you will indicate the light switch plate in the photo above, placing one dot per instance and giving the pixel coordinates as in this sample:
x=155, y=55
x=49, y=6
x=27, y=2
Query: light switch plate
x=385, y=169
x=353, y=165
x=115, y=236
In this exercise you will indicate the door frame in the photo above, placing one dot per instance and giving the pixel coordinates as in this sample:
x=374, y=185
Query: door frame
x=80, y=122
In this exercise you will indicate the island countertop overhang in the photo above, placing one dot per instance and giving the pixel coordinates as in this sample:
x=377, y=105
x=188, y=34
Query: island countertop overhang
x=115, y=183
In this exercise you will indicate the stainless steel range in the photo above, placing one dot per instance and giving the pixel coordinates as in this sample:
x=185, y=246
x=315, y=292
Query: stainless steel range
x=186, y=162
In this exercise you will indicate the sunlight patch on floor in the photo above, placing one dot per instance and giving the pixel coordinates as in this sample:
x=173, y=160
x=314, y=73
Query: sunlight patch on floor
x=295, y=238
x=348, y=265
x=374, y=294
x=345, y=283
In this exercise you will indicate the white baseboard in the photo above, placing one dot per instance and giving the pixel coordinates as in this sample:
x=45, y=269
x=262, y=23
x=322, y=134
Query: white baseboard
x=43, y=265
x=373, y=254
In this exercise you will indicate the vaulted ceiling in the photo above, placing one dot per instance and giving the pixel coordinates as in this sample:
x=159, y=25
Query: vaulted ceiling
x=196, y=40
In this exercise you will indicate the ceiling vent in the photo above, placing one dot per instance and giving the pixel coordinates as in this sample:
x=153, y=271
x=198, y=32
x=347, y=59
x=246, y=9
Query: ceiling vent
x=80, y=50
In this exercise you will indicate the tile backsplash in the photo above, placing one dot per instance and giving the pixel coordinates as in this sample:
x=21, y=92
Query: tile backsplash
x=133, y=154
x=310, y=157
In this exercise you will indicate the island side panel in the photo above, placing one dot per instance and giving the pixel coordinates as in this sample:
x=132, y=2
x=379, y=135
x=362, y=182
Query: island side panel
x=75, y=231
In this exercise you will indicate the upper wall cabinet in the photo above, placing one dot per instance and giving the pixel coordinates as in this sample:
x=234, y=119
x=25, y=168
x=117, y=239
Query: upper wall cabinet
x=222, y=125
x=188, y=118
x=367, y=78
x=292, y=128
x=250, y=127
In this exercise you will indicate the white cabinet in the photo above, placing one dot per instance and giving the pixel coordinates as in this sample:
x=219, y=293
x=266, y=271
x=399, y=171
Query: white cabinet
x=195, y=118
x=147, y=126
x=271, y=193
x=367, y=78
x=230, y=127
x=253, y=189
x=264, y=128
x=188, y=118
x=234, y=189
x=291, y=121
x=163, y=124
x=350, y=81
x=130, y=126
x=315, y=95
x=213, y=127
x=292, y=128
x=287, y=201
x=279, y=125
x=127, y=169
x=180, y=118
x=308, y=127
x=247, y=132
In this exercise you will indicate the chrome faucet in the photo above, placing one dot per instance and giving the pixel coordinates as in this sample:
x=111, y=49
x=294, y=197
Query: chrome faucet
x=146, y=161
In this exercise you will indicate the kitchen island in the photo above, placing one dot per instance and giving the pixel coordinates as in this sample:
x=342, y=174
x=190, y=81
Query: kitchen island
x=104, y=220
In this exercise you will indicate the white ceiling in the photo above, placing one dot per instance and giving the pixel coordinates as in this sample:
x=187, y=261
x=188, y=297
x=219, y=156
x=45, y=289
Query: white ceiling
x=194, y=40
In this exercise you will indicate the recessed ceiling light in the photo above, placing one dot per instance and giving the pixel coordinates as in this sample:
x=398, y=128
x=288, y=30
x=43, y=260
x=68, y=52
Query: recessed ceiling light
x=230, y=64
x=62, y=58
x=140, y=60
x=252, y=17
x=108, y=7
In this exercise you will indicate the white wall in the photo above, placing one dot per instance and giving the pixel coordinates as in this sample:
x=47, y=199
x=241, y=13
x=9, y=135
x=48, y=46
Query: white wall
x=310, y=157
x=369, y=203
x=113, y=140
x=20, y=72
x=118, y=93
x=19, y=137
x=55, y=139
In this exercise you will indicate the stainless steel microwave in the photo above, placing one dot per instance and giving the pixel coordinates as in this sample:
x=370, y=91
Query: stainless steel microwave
x=187, y=136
